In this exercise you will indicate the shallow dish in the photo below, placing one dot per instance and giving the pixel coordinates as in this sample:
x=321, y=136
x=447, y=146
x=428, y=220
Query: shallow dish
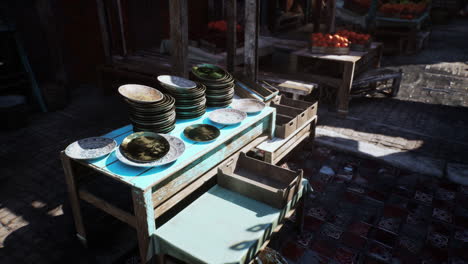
x=201, y=132
x=90, y=148
x=208, y=72
x=140, y=93
x=250, y=106
x=176, y=149
x=227, y=116
x=144, y=147
x=176, y=82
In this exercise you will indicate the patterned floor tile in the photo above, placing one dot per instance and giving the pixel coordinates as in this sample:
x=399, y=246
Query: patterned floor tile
x=359, y=228
x=423, y=197
x=304, y=238
x=331, y=231
x=442, y=215
x=353, y=240
x=390, y=224
x=312, y=223
x=318, y=212
x=384, y=237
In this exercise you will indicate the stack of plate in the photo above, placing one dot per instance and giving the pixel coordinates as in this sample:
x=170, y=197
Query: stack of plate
x=219, y=84
x=190, y=101
x=150, y=110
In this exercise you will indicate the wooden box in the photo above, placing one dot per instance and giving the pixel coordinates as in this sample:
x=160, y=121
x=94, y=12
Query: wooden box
x=259, y=180
x=285, y=125
x=310, y=107
x=301, y=114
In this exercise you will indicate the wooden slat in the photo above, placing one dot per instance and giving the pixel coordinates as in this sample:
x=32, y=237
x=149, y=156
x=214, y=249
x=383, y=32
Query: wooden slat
x=107, y=207
x=179, y=36
x=251, y=29
x=231, y=12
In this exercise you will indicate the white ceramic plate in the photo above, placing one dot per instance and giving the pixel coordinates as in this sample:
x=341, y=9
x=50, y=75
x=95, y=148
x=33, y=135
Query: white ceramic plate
x=176, y=82
x=141, y=93
x=249, y=106
x=90, y=148
x=227, y=116
x=177, y=148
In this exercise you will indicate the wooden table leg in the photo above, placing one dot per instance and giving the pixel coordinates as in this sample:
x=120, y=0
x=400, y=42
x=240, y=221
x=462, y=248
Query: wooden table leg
x=145, y=225
x=342, y=96
x=73, y=196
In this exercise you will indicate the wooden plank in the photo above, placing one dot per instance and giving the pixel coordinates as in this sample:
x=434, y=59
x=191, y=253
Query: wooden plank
x=291, y=147
x=231, y=14
x=251, y=30
x=187, y=175
x=107, y=207
x=73, y=197
x=145, y=224
x=179, y=36
x=179, y=196
x=105, y=36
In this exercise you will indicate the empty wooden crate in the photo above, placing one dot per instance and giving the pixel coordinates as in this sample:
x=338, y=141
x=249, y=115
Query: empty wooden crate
x=309, y=107
x=259, y=180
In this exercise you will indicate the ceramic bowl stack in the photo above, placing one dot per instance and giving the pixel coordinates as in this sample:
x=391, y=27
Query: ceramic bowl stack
x=219, y=84
x=190, y=101
x=150, y=110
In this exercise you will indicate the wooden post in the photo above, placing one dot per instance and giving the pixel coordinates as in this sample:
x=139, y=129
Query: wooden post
x=123, y=34
x=252, y=15
x=317, y=11
x=231, y=13
x=106, y=45
x=145, y=223
x=179, y=36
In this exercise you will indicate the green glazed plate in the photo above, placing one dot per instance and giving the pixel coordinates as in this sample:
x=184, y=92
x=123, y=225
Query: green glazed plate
x=201, y=132
x=144, y=147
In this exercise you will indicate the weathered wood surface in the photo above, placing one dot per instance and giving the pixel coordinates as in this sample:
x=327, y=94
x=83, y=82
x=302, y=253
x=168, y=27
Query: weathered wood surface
x=260, y=180
x=73, y=197
x=145, y=224
x=122, y=31
x=342, y=96
x=179, y=36
x=251, y=29
x=231, y=15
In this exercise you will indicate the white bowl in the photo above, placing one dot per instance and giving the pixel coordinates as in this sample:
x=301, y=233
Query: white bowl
x=176, y=82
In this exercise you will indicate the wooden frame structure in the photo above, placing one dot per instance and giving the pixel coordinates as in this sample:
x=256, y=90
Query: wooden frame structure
x=179, y=61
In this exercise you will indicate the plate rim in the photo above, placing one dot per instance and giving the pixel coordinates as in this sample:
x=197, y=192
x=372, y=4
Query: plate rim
x=97, y=157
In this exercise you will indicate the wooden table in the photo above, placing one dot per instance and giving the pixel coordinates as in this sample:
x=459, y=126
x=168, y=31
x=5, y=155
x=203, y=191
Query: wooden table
x=222, y=226
x=353, y=63
x=156, y=190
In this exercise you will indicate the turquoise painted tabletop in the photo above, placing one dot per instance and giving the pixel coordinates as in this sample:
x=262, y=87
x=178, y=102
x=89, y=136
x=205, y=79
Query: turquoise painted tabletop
x=144, y=177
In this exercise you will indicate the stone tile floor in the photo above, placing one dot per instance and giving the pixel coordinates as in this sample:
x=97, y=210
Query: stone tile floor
x=362, y=211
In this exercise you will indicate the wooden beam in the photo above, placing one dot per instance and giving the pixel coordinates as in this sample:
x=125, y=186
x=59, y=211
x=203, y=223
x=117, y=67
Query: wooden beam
x=251, y=28
x=231, y=14
x=179, y=36
x=105, y=36
x=107, y=207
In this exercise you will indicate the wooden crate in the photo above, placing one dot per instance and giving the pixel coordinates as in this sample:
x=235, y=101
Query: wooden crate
x=301, y=114
x=285, y=125
x=249, y=89
x=310, y=107
x=276, y=149
x=259, y=180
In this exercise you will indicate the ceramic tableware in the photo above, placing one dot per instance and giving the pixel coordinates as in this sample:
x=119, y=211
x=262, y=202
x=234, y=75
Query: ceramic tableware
x=140, y=93
x=201, y=132
x=144, y=147
x=90, y=148
x=250, y=106
x=227, y=116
